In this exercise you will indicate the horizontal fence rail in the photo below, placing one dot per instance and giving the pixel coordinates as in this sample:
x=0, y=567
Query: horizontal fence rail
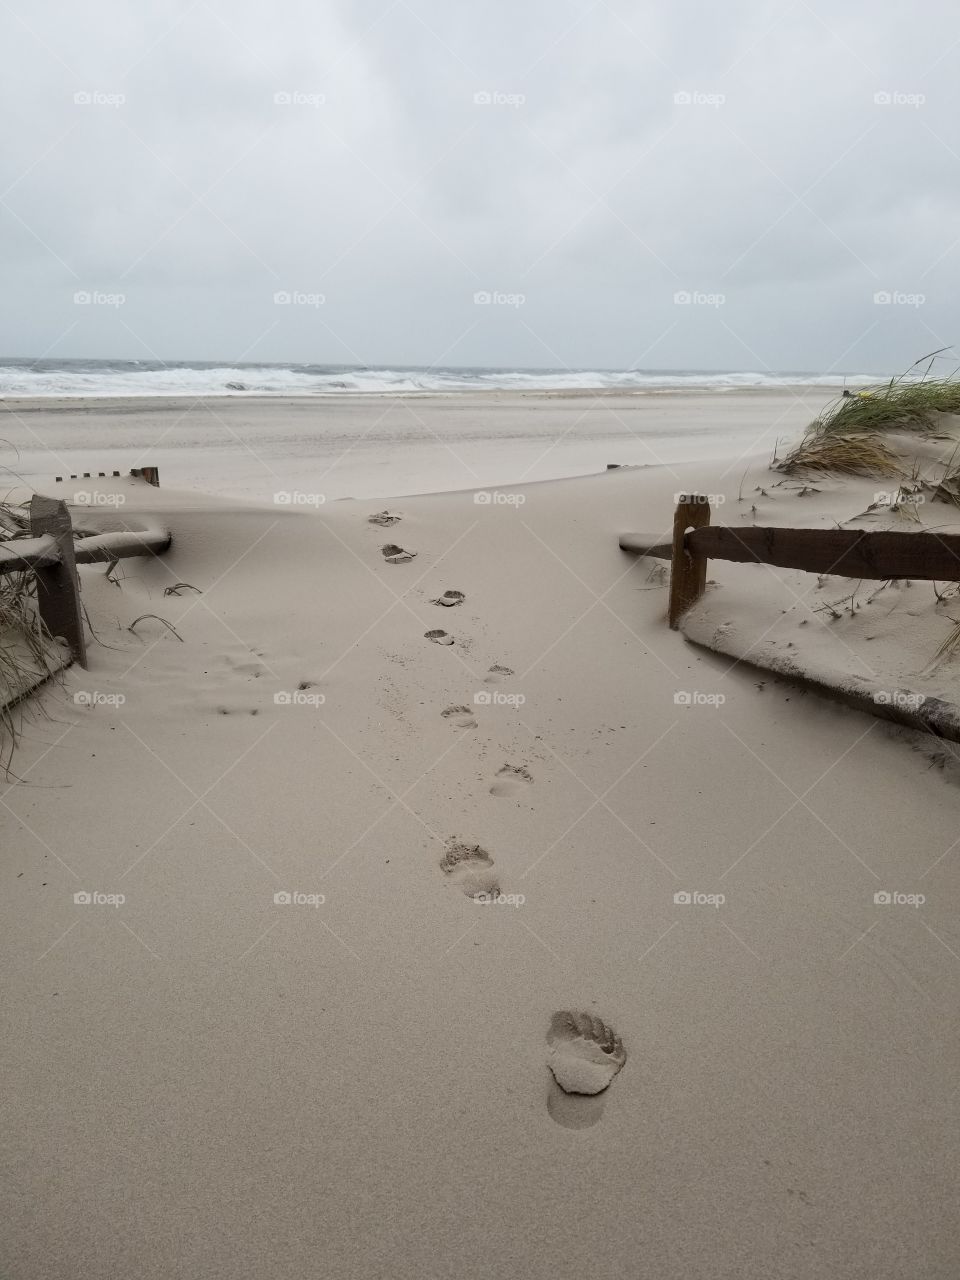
x=53, y=554
x=849, y=553
x=19, y=554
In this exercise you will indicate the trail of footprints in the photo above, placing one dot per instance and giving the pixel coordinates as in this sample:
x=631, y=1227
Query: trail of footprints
x=584, y=1053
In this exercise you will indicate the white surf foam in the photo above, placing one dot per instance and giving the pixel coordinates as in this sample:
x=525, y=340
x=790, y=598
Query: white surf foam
x=105, y=378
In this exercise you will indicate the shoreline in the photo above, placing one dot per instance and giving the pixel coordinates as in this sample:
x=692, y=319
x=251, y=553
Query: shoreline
x=384, y=446
x=488, y=396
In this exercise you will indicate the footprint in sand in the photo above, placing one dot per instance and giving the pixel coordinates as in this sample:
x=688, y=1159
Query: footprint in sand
x=396, y=555
x=438, y=637
x=450, y=598
x=584, y=1056
x=497, y=674
x=511, y=780
x=462, y=717
x=470, y=868
x=383, y=518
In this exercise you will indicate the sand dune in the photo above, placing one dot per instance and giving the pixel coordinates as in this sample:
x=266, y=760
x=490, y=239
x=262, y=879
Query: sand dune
x=383, y=898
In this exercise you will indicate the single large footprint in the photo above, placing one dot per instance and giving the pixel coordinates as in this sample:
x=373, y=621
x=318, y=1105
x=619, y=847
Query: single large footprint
x=470, y=868
x=462, y=717
x=383, y=518
x=511, y=780
x=449, y=599
x=497, y=674
x=585, y=1054
x=396, y=555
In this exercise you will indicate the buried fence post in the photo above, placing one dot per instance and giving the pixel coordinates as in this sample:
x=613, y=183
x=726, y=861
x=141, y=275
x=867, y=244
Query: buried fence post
x=58, y=589
x=688, y=572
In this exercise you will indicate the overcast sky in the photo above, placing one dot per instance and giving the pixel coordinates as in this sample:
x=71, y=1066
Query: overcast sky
x=382, y=162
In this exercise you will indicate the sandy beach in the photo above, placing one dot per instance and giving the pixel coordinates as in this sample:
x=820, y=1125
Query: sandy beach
x=378, y=446
x=300, y=1045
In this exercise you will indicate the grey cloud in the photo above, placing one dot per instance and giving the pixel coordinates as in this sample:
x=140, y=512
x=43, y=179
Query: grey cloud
x=783, y=183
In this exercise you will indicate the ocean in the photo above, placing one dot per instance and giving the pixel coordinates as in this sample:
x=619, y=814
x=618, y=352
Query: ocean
x=52, y=377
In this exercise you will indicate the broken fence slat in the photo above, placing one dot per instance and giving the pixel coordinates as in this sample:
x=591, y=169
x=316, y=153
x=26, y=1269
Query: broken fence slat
x=101, y=547
x=18, y=554
x=646, y=544
x=53, y=554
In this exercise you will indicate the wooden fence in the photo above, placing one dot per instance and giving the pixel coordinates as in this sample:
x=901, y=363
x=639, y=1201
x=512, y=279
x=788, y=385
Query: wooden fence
x=849, y=553
x=53, y=554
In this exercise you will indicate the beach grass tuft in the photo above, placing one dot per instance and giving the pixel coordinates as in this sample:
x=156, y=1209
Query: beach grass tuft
x=910, y=402
x=844, y=438
x=23, y=643
x=853, y=455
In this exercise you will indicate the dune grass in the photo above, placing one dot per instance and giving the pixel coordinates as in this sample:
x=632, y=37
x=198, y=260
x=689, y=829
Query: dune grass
x=23, y=656
x=907, y=403
x=897, y=406
x=845, y=438
x=853, y=455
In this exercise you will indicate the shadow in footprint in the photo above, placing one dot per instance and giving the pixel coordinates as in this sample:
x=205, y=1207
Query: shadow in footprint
x=470, y=868
x=462, y=717
x=449, y=599
x=584, y=1056
x=574, y=1112
x=396, y=555
x=497, y=674
x=438, y=637
x=511, y=780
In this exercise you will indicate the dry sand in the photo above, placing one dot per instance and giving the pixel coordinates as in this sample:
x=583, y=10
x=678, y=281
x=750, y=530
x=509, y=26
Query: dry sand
x=361, y=445
x=202, y=1082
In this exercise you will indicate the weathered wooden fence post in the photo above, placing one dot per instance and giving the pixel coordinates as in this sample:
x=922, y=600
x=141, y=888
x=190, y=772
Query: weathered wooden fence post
x=58, y=588
x=688, y=572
